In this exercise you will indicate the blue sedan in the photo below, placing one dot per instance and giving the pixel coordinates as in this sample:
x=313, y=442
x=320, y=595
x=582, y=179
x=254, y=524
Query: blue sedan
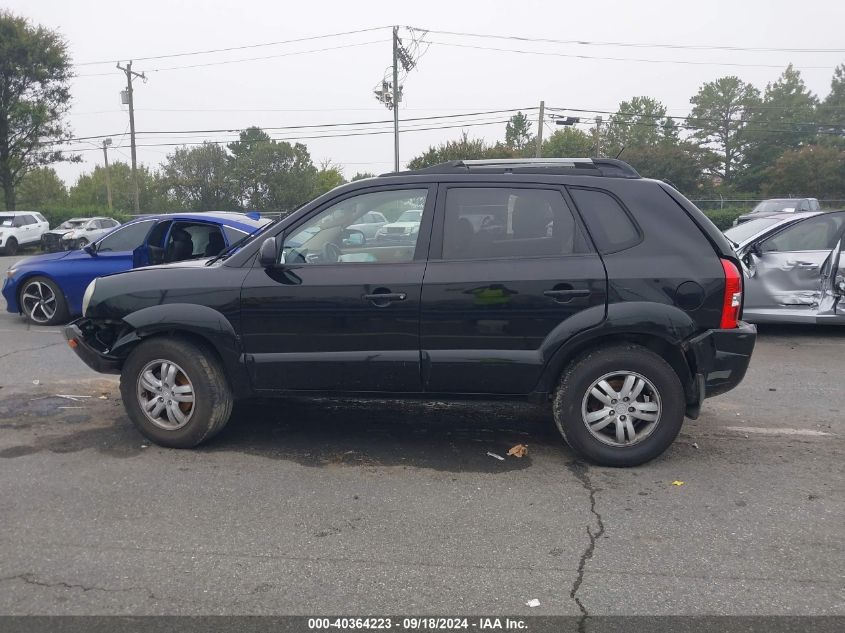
x=48, y=289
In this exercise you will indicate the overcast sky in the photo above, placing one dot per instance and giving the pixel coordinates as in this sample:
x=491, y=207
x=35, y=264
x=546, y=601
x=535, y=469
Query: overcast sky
x=335, y=86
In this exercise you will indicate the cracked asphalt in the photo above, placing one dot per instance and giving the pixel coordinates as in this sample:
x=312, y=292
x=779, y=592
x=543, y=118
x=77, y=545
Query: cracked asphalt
x=370, y=508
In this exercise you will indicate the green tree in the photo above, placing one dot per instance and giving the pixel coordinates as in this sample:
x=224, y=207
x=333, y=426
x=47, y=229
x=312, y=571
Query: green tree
x=327, y=178
x=518, y=132
x=814, y=170
x=198, y=179
x=464, y=148
x=271, y=175
x=89, y=191
x=35, y=72
x=39, y=188
x=785, y=119
x=569, y=142
x=832, y=111
x=718, y=117
x=638, y=122
x=681, y=164
x=362, y=174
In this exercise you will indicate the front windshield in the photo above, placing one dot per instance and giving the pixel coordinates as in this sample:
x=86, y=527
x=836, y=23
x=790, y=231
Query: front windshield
x=775, y=206
x=741, y=232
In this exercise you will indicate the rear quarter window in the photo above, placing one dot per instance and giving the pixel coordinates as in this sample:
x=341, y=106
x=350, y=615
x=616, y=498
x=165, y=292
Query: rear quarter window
x=610, y=225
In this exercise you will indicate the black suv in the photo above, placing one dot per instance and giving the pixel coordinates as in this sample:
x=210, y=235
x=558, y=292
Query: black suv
x=570, y=282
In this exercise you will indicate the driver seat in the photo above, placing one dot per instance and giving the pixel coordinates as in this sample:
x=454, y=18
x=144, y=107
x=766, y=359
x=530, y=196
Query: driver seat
x=180, y=247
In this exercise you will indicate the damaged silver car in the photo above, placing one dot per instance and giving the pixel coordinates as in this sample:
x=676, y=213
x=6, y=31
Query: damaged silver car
x=793, y=267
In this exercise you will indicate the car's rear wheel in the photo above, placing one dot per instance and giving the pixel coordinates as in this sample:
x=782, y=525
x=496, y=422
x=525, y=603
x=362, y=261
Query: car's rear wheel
x=43, y=302
x=11, y=246
x=619, y=406
x=175, y=392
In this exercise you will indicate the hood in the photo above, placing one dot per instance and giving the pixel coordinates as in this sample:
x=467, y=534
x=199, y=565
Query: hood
x=58, y=231
x=37, y=260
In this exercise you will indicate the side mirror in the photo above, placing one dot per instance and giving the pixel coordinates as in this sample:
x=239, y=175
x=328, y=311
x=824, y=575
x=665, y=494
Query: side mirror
x=353, y=237
x=269, y=253
x=756, y=249
x=91, y=249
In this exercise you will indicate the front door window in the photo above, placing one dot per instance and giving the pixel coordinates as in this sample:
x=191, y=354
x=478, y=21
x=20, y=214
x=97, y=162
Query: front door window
x=335, y=235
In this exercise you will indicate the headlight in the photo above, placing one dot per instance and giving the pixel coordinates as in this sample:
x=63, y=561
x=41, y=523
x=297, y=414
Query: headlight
x=68, y=235
x=86, y=298
x=11, y=272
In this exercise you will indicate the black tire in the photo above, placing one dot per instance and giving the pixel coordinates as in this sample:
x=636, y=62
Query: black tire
x=578, y=379
x=36, y=286
x=82, y=243
x=212, y=403
x=11, y=246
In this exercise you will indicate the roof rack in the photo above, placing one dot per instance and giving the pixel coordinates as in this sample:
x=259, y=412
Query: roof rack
x=583, y=166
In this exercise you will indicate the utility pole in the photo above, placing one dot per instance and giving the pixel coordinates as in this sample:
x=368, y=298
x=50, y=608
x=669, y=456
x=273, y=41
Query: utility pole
x=395, y=98
x=598, y=137
x=130, y=74
x=106, y=143
x=539, y=151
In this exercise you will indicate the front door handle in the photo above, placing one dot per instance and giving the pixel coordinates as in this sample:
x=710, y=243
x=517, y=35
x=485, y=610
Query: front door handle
x=562, y=296
x=382, y=299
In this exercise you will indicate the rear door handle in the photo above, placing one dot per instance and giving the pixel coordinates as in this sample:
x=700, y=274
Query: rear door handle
x=563, y=296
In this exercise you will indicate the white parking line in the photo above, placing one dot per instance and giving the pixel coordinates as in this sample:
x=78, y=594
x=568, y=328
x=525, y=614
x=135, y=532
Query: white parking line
x=787, y=431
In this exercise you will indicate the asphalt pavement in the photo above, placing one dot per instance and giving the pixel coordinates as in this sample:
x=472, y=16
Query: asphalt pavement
x=367, y=508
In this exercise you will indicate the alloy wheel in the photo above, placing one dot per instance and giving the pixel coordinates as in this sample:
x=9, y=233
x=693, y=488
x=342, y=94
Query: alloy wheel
x=166, y=394
x=39, y=302
x=621, y=408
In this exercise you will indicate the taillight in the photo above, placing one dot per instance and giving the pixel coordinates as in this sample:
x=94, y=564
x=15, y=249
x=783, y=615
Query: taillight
x=733, y=295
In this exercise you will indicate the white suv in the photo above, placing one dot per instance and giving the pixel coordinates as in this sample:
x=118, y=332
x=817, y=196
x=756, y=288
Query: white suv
x=20, y=228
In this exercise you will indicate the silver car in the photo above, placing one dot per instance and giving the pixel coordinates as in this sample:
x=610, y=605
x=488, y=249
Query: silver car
x=793, y=267
x=89, y=231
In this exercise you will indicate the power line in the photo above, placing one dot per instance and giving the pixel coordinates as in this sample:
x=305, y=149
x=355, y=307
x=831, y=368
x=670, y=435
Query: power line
x=300, y=138
x=237, y=48
x=638, y=44
x=619, y=59
x=248, y=59
x=311, y=126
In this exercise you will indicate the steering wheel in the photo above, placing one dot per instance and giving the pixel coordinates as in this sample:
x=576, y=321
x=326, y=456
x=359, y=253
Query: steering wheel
x=331, y=252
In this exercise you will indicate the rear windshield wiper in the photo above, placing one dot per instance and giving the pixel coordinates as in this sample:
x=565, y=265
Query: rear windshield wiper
x=227, y=252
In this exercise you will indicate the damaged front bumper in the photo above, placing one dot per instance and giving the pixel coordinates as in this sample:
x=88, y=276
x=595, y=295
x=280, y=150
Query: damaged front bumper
x=721, y=358
x=98, y=360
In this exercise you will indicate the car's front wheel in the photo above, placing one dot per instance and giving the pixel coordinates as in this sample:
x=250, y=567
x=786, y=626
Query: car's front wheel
x=175, y=392
x=11, y=246
x=619, y=406
x=82, y=243
x=43, y=302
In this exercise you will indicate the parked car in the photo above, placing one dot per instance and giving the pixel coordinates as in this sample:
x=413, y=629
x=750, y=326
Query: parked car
x=792, y=267
x=370, y=223
x=51, y=240
x=779, y=205
x=90, y=231
x=607, y=297
x=48, y=289
x=404, y=230
x=20, y=228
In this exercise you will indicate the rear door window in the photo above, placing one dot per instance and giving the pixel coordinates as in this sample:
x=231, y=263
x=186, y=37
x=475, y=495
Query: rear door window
x=610, y=225
x=508, y=222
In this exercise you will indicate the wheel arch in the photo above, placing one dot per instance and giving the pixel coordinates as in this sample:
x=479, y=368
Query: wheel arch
x=199, y=324
x=660, y=328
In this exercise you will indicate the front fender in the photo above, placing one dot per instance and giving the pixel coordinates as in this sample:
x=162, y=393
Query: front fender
x=631, y=320
x=197, y=320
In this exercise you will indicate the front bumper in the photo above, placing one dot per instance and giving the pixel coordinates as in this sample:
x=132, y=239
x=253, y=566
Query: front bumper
x=70, y=245
x=95, y=359
x=51, y=242
x=721, y=358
